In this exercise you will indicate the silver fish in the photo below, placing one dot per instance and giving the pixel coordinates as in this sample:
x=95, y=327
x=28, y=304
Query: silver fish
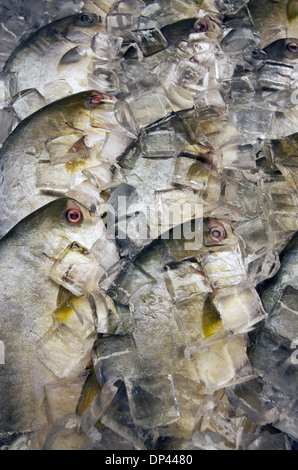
x=59, y=51
x=48, y=153
x=36, y=339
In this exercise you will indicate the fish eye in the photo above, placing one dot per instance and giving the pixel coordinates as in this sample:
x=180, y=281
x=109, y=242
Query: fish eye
x=74, y=216
x=201, y=26
x=96, y=98
x=292, y=46
x=217, y=233
x=87, y=19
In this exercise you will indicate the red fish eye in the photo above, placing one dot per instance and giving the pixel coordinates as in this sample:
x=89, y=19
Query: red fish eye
x=96, y=98
x=74, y=216
x=293, y=47
x=217, y=233
x=201, y=27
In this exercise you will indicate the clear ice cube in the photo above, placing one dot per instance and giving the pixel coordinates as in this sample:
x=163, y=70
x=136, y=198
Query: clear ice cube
x=159, y=144
x=224, y=266
x=152, y=400
x=27, y=103
x=239, y=308
x=150, y=41
x=75, y=269
x=53, y=91
x=185, y=280
x=63, y=351
x=192, y=170
x=115, y=356
x=149, y=108
x=219, y=364
x=105, y=46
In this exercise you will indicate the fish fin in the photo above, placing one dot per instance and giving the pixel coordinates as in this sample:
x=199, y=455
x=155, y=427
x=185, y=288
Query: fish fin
x=71, y=57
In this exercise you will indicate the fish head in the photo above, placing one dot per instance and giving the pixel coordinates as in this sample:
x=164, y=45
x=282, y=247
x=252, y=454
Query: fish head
x=82, y=27
x=221, y=254
x=76, y=223
x=52, y=228
x=193, y=29
x=283, y=50
x=278, y=69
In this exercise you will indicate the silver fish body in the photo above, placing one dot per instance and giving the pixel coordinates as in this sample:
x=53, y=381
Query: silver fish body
x=27, y=304
x=60, y=50
x=48, y=152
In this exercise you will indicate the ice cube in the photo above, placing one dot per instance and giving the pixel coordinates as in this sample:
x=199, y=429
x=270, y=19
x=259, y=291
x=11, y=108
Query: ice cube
x=176, y=207
x=239, y=308
x=63, y=351
x=275, y=76
x=224, y=266
x=218, y=417
x=27, y=103
x=104, y=79
x=75, y=269
x=192, y=170
x=220, y=364
x=118, y=418
x=248, y=397
x=185, y=280
x=66, y=148
x=55, y=90
x=106, y=46
x=253, y=121
x=199, y=320
x=149, y=108
x=159, y=143
x=119, y=21
x=241, y=194
x=66, y=435
x=152, y=400
x=130, y=280
x=115, y=356
x=269, y=440
x=150, y=41
x=238, y=157
x=62, y=397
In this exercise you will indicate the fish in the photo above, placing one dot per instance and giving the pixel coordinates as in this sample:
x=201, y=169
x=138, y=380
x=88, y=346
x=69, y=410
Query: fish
x=174, y=306
x=49, y=151
x=278, y=71
x=179, y=31
x=31, y=305
x=283, y=50
x=59, y=52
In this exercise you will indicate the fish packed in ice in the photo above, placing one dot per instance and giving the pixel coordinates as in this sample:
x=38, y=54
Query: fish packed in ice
x=148, y=225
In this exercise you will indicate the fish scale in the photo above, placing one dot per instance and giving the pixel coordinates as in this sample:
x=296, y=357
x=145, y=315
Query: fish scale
x=181, y=205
